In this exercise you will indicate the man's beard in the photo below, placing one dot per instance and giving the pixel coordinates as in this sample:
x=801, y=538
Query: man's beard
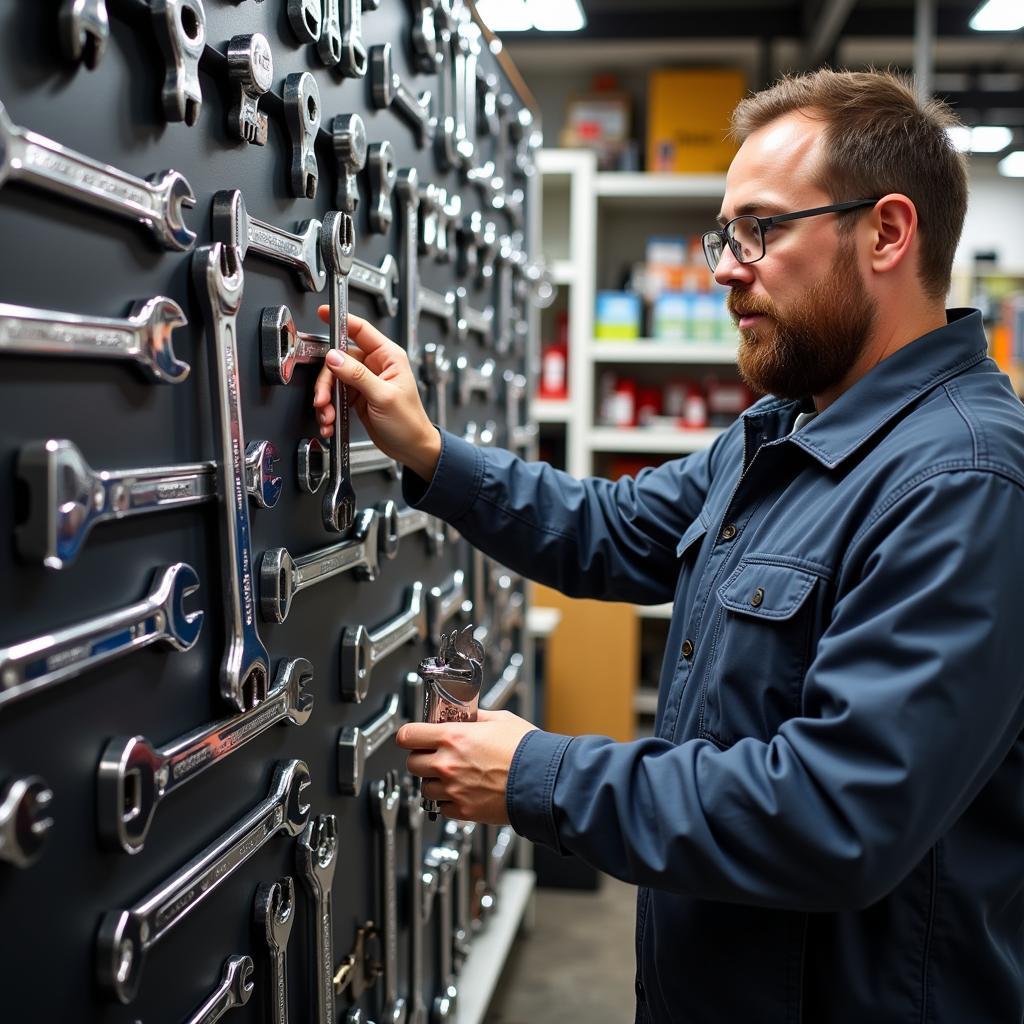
x=810, y=348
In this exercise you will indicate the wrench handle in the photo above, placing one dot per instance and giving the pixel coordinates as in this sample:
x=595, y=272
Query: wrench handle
x=274, y=242
x=408, y=625
x=329, y=562
x=339, y=501
x=34, y=331
x=132, y=492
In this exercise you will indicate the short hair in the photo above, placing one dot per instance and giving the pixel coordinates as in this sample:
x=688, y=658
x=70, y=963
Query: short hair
x=879, y=138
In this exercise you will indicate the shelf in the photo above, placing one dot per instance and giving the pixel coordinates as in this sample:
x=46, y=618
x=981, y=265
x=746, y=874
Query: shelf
x=654, y=611
x=547, y=410
x=638, y=188
x=637, y=439
x=646, y=350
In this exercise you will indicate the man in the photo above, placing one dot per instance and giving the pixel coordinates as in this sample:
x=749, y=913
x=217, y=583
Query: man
x=829, y=823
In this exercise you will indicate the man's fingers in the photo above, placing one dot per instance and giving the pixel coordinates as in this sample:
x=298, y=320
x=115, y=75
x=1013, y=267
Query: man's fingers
x=420, y=736
x=351, y=371
x=365, y=335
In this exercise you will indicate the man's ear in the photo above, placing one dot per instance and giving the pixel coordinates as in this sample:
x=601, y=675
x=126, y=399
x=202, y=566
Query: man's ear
x=893, y=228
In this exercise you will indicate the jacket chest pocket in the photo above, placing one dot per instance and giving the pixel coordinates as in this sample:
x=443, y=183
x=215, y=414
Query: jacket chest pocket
x=765, y=630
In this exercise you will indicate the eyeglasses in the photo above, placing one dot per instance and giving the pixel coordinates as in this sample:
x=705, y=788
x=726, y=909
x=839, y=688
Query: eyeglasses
x=745, y=235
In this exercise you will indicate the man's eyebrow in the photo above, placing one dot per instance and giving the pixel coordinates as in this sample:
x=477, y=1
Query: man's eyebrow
x=758, y=206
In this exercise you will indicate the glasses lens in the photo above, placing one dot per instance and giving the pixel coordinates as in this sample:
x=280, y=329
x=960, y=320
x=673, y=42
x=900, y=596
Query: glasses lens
x=712, y=248
x=745, y=239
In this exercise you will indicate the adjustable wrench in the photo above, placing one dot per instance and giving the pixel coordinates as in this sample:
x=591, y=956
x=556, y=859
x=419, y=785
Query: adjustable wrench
x=362, y=650
x=364, y=457
x=232, y=225
x=329, y=43
x=282, y=577
x=357, y=743
x=459, y=835
x=60, y=654
x=84, y=30
x=435, y=372
x=424, y=36
x=380, y=169
x=388, y=90
x=472, y=380
x=386, y=799
x=283, y=346
x=316, y=858
x=407, y=187
x=348, y=132
x=446, y=603
x=251, y=68
x=25, y=820
x=125, y=936
x=144, y=337
x=245, y=669
x=274, y=911
x=301, y=97
x=411, y=520
x=180, y=27
x=157, y=202
x=353, y=48
x=337, y=247
x=412, y=805
x=233, y=991
x=134, y=776
x=73, y=497
x=505, y=688
x=445, y=144
x=379, y=282
x=305, y=17
x=520, y=434
x=439, y=863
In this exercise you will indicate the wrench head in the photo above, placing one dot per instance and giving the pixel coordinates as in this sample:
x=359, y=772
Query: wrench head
x=251, y=62
x=238, y=979
x=306, y=17
x=382, y=171
x=350, y=150
x=302, y=113
x=278, y=340
x=129, y=784
x=84, y=29
x=387, y=800
x=274, y=910
x=181, y=32
x=230, y=219
x=296, y=676
x=313, y=273
x=388, y=535
x=338, y=243
x=317, y=851
x=389, y=300
x=277, y=584
x=174, y=196
x=218, y=276
x=313, y=464
x=265, y=456
x=291, y=780
x=157, y=318
x=26, y=805
x=368, y=530
x=172, y=587
x=355, y=664
x=382, y=73
x=351, y=760
x=120, y=952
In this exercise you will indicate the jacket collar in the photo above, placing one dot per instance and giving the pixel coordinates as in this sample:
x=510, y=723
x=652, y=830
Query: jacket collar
x=879, y=395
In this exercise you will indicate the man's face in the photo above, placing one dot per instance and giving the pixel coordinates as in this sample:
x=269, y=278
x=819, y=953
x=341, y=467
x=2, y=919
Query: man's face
x=803, y=311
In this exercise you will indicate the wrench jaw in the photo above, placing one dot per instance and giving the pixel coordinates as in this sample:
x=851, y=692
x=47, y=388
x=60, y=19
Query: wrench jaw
x=120, y=953
x=230, y=219
x=156, y=320
x=348, y=132
x=84, y=30
x=291, y=780
x=306, y=18
x=264, y=484
x=176, y=584
x=274, y=910
x=277, y=584
x=181, y=31
x=355, y=664
x=278, y=343
x=297, y=677
x=389, y=534
x=25, y=823
x=217, y=271
x=382, y=171
x=313, y=273
x=173, y=195
x=130, y=783
x=238, y=979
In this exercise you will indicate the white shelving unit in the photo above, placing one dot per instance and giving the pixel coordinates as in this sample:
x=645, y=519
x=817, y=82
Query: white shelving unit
x=657, y=441
x=648, y=350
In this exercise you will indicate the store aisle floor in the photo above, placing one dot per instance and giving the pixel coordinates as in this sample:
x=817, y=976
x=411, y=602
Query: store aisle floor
x=576, y=964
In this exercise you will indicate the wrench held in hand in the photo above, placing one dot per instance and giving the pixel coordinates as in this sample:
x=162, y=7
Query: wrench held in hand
x=316, y=858
x=84, y=30
x=25, y=820
x=274, y=911
x=233, y=991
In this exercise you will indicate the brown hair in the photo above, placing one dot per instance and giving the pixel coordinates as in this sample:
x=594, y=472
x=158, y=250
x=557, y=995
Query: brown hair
x=879, y=139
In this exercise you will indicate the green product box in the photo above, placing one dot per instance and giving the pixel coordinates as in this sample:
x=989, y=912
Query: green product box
x=618, y=317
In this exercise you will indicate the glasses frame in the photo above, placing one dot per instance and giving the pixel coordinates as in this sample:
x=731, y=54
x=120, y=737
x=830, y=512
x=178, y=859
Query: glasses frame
x=764, y=223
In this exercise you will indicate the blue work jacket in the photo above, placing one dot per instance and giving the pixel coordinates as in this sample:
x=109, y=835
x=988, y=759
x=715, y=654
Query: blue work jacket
x=828, y=825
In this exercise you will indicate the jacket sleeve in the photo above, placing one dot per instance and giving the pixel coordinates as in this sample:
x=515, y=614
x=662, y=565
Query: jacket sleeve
x=914, y=697
x=594, y=538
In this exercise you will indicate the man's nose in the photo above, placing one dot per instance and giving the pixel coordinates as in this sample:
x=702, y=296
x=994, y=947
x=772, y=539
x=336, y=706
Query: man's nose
x=730, y=271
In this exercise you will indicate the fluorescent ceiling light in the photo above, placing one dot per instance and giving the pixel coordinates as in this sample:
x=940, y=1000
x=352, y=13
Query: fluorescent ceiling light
x=523, y=15
x=504, y=15
x=1012, y=165
x=983, y=138
x=998, y=16
x=961, y=136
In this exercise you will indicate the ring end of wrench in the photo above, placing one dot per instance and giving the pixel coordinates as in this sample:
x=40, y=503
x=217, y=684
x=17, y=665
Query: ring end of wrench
x=119, y=955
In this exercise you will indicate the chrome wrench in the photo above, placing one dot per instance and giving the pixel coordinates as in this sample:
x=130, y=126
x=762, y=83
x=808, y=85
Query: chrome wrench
x=283, y=346
x=381, y=172
x=440, y=863
x=134, y=776
x=156, y=202
x=233, y=991
x=329, y=43
x=353, y=47
x=446, y=143
x=84, y=30
x=501, y=843
x=274, y=911
x=126, y=936
x=380, y=282
x=251, y=68
x=519, y=432
x=348, y=132
x=60, y=654
x=301, y=97
x=424, y=36
x=446, y=603
x=245, y=669
x=357, y=743
x=459, y=834
x=407, y=187
x=316, y=859
x=306, y=18
x=443, y=307
x=386, y=800
x=412, y=805
x=435, y=372
x=430, y=218
x=412, y=520
x=388, y=90
x=471, y=380
x=25, y=821
x=143, y=337
x=180, y=27
x=449, y=212
x=364, y=457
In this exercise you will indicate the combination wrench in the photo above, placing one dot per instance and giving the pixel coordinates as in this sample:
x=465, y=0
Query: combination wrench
x=282, y=577
x=445, y=142
x=466, y=55
x=353, y=47
x=144, y=337
x=134, y=776
x=245, y=669
x=439, y=864
x=301, y=97
x=362, y=650
x=413, y=520
x=435, y=371
x=357, y=743
x=84, y=30
x=388, y=90
x=126, y=936
x=381, y=171
x=459, y=835
x=316, y=860
x=519, y=431
x=306, y=18
x=25, y=821
x=379, y=282
x=329, y=43
x=251, y=69
x=473, y=380
x=180, y=27
x=234, y=990
x=348, y=133
x=313, y=460
x=407, y=187
x=283, y=346
x=274, y=914
x=412, y=806
x=157, y=202
x=232, y=225
x=66, y=497
x=61, y=654
x=386, y=801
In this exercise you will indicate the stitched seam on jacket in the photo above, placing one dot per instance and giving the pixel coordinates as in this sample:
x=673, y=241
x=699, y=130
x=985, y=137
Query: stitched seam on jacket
x=513, y=778
x=548, y=792
x=789, y=562
x=974, y=425
x=519, y=517
x=927, y=950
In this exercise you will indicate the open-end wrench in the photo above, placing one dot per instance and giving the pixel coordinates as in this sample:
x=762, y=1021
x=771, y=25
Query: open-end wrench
x=180, y=27
x=407, y=187
x=25, y=821
x=313, y=459
x=274, y=912
x=386, y=800
x=157, y=202
x=301, y=97
x=442, y=307
x=61, y=654
x=329, y=43
x=439, y=865
x=412, y=806
x=232, y=225
x=348, y=132
x=445, y=143
x=305, y=17
x=449, y=213
x=282, y=577
x=233, y=991
x=283, y=346
x=379, y=282
x=362, y=649
x=459, y=835
x=143, y=337
x=357, y=743
x=430, y=218
x=472, y=380
x=506, y=687
x=84, y=30
x=388, y=90
x=424, y=36
x=519, y=433
x=251, y=68
x=435, y=372
x=353, y=47
x=66, y=497
x=381, y=171
x=359, y=969
x=446, y=603
x=337, y=247
x=125, y=936
x=134, y=776
x=316, y=859
x=245, y=668
x=412, y=520
x=466, y=51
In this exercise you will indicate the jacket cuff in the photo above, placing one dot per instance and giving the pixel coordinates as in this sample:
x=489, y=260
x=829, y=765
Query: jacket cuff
x=456, y=482
x=531, y=785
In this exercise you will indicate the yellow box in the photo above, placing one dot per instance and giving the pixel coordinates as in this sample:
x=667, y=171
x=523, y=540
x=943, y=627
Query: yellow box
x=688, y=120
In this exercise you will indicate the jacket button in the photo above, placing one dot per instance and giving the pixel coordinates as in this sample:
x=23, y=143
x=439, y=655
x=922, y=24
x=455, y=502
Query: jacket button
x=757, y=598
x=729, y=532
x=687, y=649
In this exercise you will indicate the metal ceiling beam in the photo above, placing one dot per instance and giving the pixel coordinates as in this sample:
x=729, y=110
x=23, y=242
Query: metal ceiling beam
x=824, y=32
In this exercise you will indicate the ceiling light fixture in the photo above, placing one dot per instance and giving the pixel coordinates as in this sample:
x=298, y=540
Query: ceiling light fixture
x=504, y=15
x=523, y=15
x=982, y=138
x=998, y=16
x=1012, y=165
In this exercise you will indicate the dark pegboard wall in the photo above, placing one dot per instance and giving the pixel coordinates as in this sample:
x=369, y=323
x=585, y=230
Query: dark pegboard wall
x=59, y=255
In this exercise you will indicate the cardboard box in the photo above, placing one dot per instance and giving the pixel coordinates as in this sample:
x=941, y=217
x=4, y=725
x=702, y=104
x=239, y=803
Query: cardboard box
x=688, y=120
x=618, y=316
